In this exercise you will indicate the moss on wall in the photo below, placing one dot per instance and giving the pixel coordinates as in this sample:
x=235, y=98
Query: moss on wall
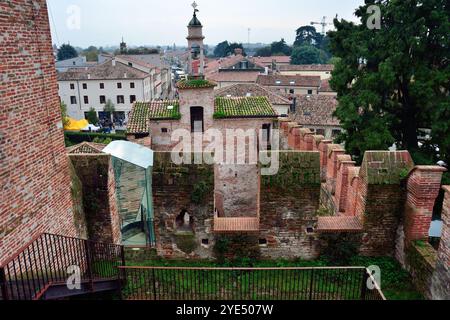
x=421, y=260
x=78, y=206
x=236, y=247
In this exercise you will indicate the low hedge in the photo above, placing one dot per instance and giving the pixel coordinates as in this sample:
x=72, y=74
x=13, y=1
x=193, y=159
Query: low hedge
x=79, y=137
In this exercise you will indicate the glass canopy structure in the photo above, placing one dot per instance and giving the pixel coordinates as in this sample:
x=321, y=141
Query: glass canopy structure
x=133, y=166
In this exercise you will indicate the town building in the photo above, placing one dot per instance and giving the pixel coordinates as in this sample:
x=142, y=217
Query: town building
x=298, y=85
x=83, y=89
x=322, y=70
x=74, y=63
x=280, y=104
x=316, y=112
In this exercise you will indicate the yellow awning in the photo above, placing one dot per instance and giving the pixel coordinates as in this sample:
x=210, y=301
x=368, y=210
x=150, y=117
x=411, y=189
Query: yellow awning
x=76, y=125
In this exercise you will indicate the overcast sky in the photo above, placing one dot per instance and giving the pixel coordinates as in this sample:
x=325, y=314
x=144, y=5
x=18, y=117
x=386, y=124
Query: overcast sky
x=151, y=22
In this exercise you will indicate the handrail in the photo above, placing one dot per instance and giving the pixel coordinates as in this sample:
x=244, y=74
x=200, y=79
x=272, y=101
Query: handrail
x=45, y=260
x=239, y=269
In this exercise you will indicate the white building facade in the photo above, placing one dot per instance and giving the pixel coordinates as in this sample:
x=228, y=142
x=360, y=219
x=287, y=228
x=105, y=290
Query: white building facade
x=89, y=88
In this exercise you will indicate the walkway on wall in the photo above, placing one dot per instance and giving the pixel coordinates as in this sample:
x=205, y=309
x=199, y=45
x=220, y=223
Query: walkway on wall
x=42, y=269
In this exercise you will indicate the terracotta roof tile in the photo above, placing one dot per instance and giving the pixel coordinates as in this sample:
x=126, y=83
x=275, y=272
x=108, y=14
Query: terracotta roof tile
x=285, y=80
x=307, y=67
x=339, y=224
x=234, y=76
x=242, y=89
x=268, y=60
x=243, y=107
x=316, y=110
x=86, y=148
x=103, y=71
x=143, y=112
x=225, y=225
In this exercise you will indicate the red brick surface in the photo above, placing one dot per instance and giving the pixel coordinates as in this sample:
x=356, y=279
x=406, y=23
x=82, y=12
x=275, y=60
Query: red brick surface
x=35, y=192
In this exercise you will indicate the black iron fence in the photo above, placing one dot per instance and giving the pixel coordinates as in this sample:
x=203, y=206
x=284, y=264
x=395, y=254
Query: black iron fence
x=49, y=260
x=249, y=284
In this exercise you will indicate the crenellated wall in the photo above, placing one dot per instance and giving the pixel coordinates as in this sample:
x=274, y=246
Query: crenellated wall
x=392, y=198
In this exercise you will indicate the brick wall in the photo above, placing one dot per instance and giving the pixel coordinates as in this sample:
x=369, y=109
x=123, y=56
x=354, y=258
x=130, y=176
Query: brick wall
x=289, y=205
x=96, y=174
x=440, y=284
x=178, y=188
x=35, y=193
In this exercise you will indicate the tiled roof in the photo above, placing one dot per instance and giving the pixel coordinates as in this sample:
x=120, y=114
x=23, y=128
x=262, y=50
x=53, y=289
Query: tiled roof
x=225, y=225
x=195, y=84
x=145, y=60
x=86, y=148
x=339, y=224
x=325, y=86
x=316, y=110
x=243, y=107
x=213, y=66
x=234, y=76
x=242, y=89
x=307, y=67
x=268, y=60
x=143, y=112
x=289, y=81
x=103, y=71
x=225, y=108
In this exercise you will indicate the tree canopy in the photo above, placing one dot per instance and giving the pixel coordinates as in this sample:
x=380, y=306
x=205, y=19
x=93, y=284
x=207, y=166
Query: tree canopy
x=226, y=48
x=308, y=35
x=394, y=81
x=308, y=54
x=66, y=51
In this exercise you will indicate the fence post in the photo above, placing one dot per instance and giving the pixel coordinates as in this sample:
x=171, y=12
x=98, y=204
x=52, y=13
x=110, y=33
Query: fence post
x=87, y=248
x=122, y=272
x=3, y=284
x=364, y=284
x=311, y=286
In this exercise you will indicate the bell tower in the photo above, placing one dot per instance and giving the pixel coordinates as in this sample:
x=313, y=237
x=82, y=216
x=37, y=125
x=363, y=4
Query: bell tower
x=195, y=44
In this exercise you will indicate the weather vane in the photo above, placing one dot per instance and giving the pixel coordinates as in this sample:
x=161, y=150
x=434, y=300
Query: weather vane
x=195, y=5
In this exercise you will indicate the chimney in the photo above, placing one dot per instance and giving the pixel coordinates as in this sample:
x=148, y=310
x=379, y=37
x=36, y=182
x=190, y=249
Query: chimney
x=266, y=71
x=113, y=61
x=125, y=75
x=89, y=76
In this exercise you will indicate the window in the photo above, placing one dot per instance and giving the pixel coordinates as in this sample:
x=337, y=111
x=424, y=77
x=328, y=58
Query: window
x=85, y=86
x=132, y=86
x=164, y=130
x=197, y=124
x=291, y=91
x=130, y=64
x=119, y=85
x=320, y=132
x=102, y=99
x=262, y=242
x=72, y=86
x=120, y=99
x=132, y=99
x=73, y=100
x=310, y=92
x=205, y=242
x=102, y=86
x=86, y=100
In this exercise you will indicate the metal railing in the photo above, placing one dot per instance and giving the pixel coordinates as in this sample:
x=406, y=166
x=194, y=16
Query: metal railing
x=47, y=259
x=248, y=284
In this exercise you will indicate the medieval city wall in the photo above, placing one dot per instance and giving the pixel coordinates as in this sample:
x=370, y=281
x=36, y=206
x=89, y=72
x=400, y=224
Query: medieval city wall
x=393, y=201
x=96, y=174
x=35, y=194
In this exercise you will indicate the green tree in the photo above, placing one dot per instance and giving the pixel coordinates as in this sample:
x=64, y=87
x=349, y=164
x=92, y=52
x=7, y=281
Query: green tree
x=280, y=48
x=308, y=35
x=236, y=45
x=66, y=51
x=64, y=117
x=110, y=108
x=395, y=80
x=91, y=117
x=264, y=52
x=308, y=55
x=222, y=49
